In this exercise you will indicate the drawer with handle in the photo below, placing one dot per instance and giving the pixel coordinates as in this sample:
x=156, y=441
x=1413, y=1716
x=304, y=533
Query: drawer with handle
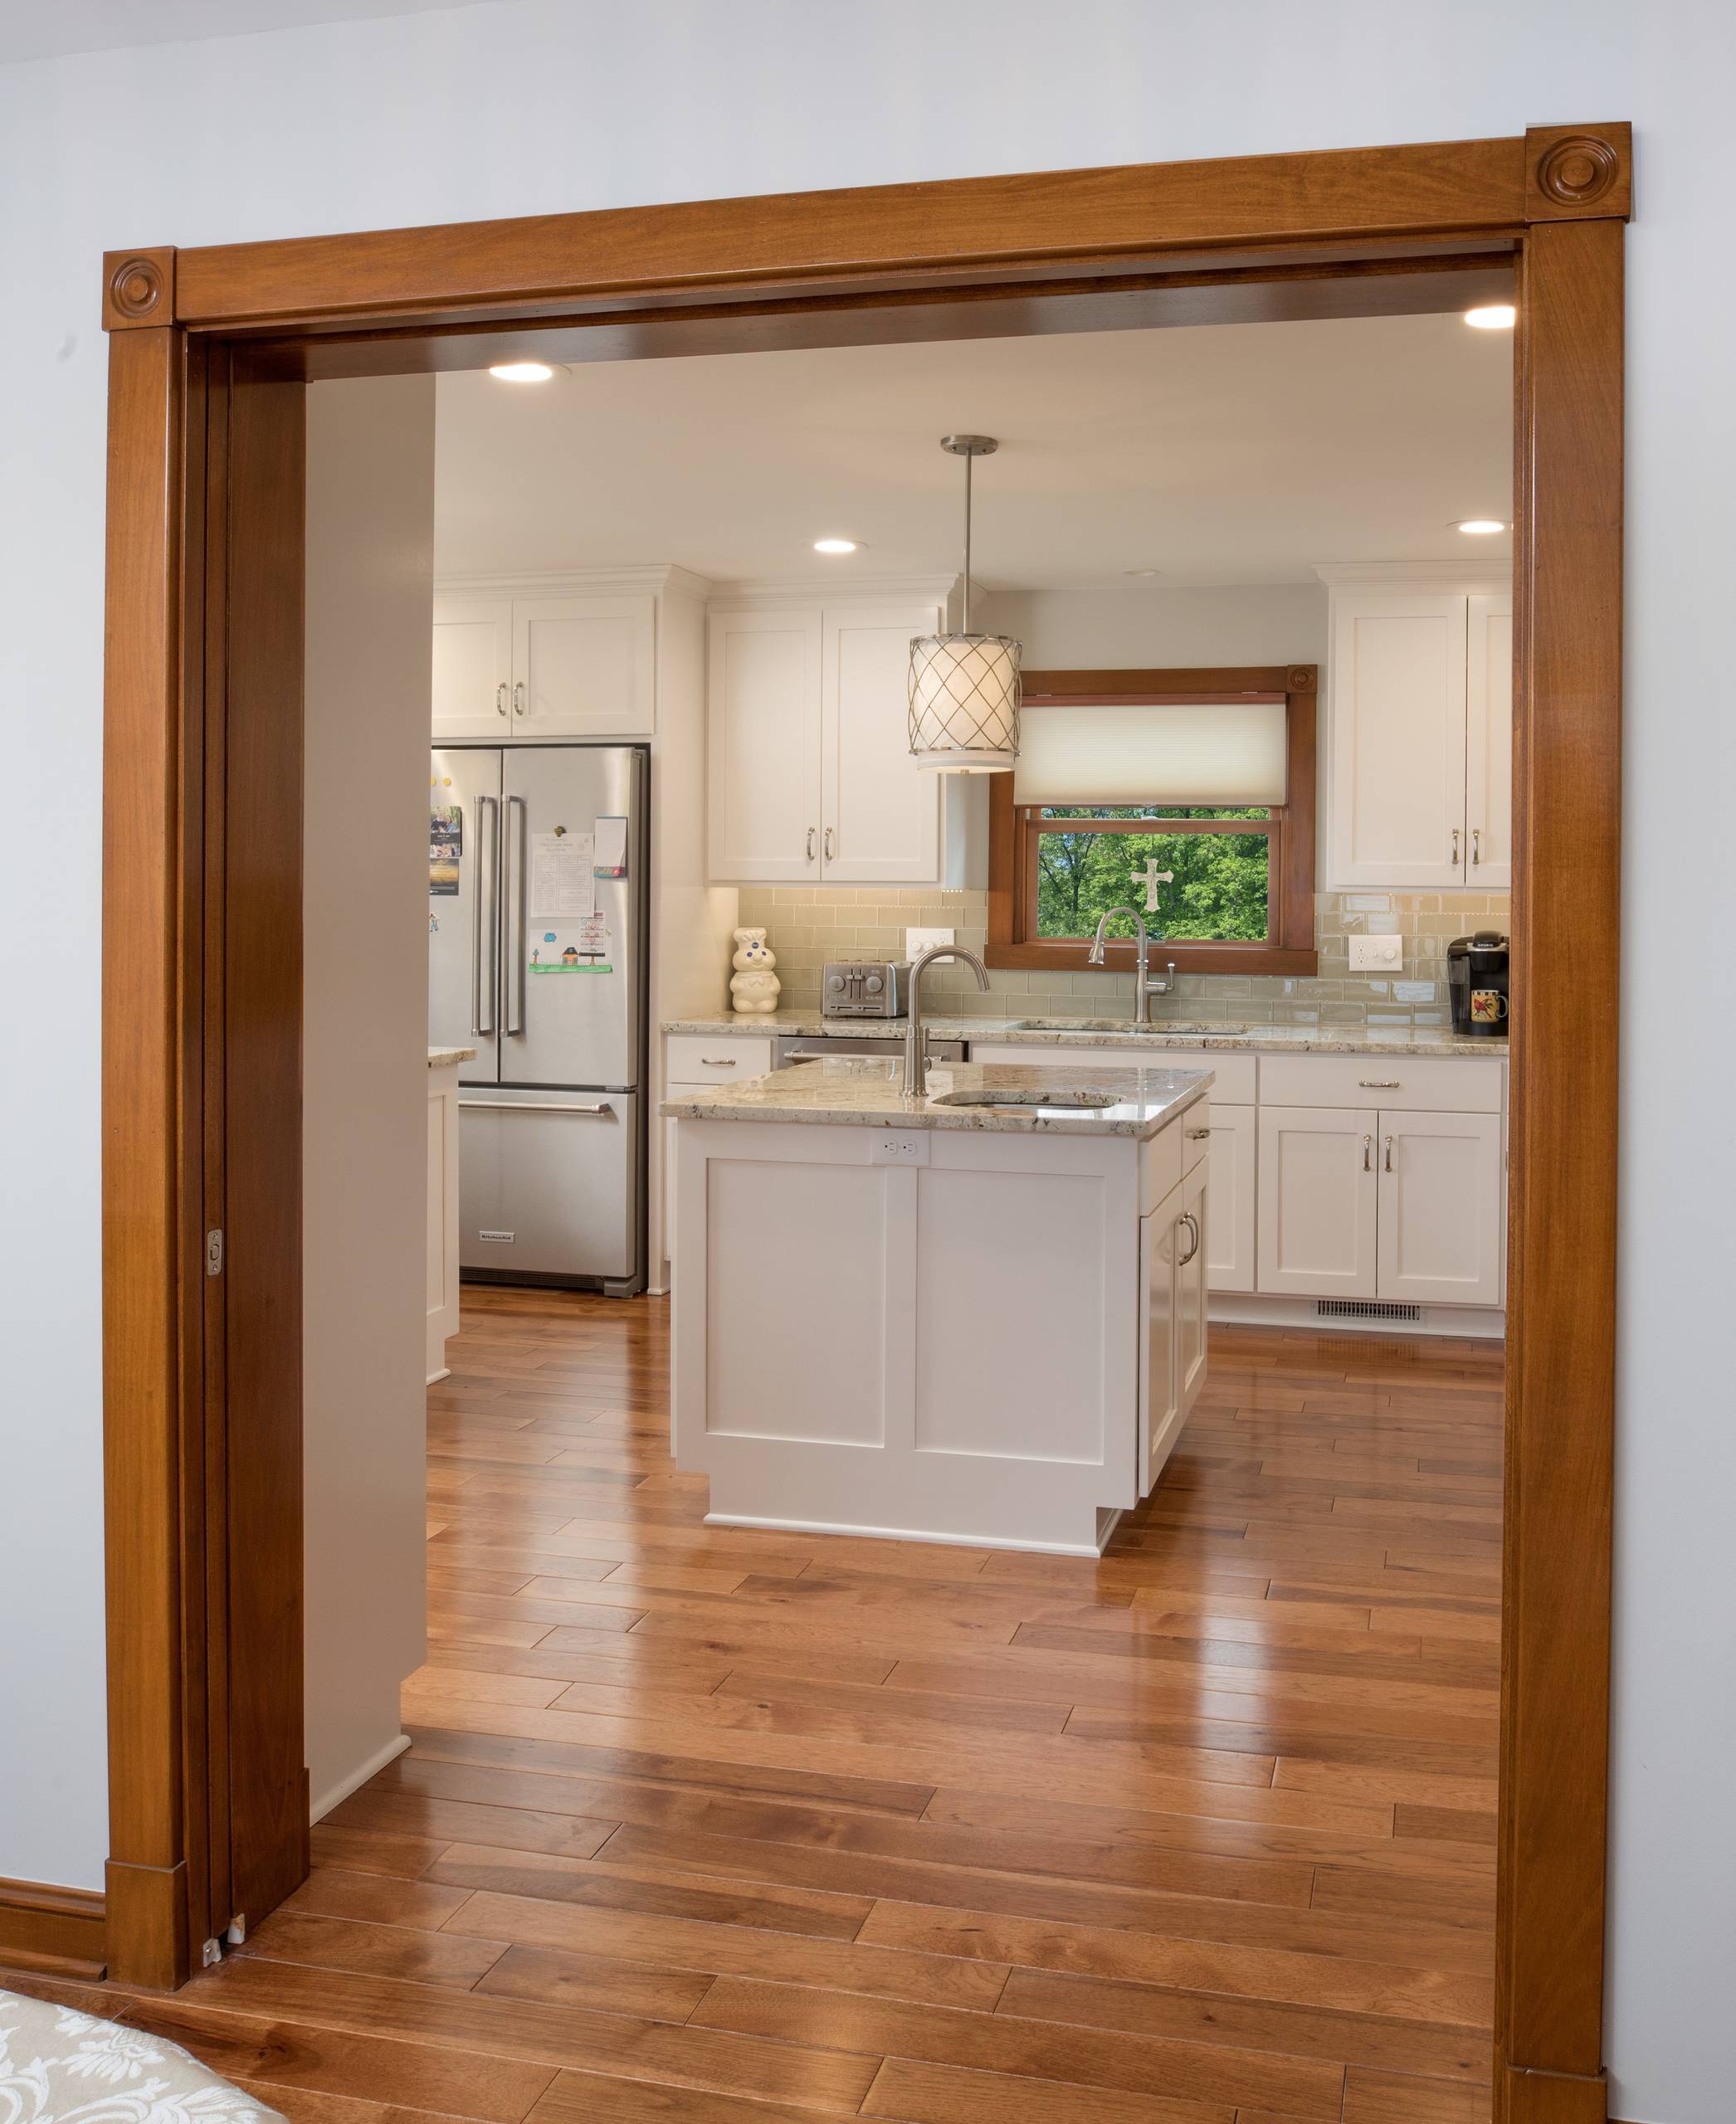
x=1422, y=1083
x=715, y=1058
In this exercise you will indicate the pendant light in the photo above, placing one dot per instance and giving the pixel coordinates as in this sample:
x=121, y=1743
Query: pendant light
x=964, y=687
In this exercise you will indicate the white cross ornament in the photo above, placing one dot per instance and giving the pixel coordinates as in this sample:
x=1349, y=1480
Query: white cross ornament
x=1151, y=877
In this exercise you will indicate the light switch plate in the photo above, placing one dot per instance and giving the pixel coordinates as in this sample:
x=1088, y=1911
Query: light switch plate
x=918, y=941
x=1376, y=954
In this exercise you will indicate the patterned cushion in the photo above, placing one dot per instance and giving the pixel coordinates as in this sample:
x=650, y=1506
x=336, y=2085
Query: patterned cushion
x=58, y=2067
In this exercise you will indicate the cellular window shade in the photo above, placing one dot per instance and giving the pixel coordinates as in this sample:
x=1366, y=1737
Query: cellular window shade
x=1168, y=753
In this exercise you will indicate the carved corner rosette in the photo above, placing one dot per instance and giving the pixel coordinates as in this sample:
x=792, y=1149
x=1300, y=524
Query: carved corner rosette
x=1578, y=172
x=1301, y=678
x=139, y=288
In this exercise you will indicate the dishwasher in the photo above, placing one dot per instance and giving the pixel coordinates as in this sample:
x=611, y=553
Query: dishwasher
x=815, y=1047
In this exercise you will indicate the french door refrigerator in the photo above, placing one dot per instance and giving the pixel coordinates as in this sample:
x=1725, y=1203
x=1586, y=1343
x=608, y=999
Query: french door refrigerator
x=537, y=952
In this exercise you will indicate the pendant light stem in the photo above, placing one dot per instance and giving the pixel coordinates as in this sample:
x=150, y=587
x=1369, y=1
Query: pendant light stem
x=970, y=466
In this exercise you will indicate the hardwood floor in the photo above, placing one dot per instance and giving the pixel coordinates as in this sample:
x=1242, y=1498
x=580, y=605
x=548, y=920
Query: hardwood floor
x=742, y=1827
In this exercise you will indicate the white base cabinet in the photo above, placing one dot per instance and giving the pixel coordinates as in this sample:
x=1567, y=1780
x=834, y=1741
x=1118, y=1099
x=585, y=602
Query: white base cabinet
x=1317, y=1202
x=1234, y=1154
x=1173, y=1254
x=443, y=1216
x=1442, y=1208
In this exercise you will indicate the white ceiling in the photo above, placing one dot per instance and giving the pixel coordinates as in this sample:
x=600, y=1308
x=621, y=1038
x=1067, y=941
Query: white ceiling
x=1215, y=454
x=42, y=29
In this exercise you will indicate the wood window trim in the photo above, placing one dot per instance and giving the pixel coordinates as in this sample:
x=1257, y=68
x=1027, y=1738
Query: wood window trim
x=1289, y=947
x=1384, y=230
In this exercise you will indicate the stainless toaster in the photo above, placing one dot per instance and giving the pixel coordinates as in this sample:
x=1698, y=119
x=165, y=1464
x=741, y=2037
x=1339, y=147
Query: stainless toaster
x=865, y=988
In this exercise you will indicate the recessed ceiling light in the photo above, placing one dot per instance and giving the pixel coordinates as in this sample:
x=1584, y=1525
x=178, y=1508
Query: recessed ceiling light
x=1492, y=317
x=1479, y=527
x=835, y=545
x=521, y=372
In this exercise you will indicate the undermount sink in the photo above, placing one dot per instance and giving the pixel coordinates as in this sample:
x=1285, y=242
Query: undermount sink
x=1057, y=1096
x=1170, y=1026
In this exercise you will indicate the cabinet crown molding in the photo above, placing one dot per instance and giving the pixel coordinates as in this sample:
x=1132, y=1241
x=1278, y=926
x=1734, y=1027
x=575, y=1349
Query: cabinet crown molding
x=808, y=589
x=555, y=582
x=1442, y=575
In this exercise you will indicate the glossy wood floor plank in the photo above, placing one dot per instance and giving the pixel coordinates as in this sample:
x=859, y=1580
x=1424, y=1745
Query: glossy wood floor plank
x=712, y=1826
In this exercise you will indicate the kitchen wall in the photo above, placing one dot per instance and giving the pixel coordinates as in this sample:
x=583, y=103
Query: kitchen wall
x=807, y=925
x=540, y=106
x=370, y=577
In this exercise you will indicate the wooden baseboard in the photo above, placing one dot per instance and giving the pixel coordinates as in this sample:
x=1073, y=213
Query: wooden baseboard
x=1554, y=2098
x=61, y=1931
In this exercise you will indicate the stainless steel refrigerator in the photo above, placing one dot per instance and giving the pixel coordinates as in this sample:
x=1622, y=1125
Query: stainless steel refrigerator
x=537, y=959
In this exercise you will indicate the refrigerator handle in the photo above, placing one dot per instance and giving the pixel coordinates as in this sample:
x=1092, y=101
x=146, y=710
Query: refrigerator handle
x=513, y=866
x=486, y=870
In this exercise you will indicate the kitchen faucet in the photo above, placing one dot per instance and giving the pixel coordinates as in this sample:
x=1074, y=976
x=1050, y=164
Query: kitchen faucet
x=916, y=1041
x=1144, y=987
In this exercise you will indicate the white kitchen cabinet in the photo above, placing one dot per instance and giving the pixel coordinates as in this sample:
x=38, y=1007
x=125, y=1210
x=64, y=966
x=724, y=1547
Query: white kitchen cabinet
x=1489, y=741
x=472, y=679
x=1319, y=1195
x=1230, y=1240
x=1172, y=1255
x=1419, y=737
x=809, y=767
x=700, y=1062
x=763, y=746
x=1442, y=1204
x=443, y=1216
x=532, y=667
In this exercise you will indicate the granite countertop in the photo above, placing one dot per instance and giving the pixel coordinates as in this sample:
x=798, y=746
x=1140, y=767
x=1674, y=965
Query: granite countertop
x=445, y=1058
x=862, y=1091
x=1115, y=1032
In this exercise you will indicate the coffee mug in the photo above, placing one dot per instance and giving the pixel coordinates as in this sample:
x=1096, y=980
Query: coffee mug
x=1487, y=1007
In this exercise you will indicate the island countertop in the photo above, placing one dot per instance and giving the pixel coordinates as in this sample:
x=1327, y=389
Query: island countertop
x=1053, y=1033
x=448, y=1058
x=862, y=1091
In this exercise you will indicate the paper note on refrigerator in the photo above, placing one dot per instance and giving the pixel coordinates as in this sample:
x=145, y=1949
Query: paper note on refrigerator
x=611, y=847
x=562, y=888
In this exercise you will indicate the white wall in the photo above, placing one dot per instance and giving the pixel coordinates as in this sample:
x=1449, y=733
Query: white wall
x=370, y=564
x=530, y=106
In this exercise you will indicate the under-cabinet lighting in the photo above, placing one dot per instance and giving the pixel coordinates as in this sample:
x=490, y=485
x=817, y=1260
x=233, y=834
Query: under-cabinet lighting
x=521, y=372
x=1479, y=527
x=1493, y=317
x=835, y=545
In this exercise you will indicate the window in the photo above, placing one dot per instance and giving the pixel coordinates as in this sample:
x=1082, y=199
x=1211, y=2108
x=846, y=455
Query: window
x=1239, y=892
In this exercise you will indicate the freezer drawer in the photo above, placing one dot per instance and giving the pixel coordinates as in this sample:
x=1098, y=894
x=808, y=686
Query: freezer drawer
x=549, y=1184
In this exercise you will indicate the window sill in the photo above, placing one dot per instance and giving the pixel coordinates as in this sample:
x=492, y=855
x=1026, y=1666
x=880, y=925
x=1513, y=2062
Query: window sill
x=1068, y=957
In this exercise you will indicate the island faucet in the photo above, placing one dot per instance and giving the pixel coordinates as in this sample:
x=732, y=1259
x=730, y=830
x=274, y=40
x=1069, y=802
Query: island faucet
x=1144, y=987
x=916, y=1040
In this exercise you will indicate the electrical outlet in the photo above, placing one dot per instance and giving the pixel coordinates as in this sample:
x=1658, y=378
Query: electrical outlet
x=918, y=941
x=1376, y=954
x=902, y=1150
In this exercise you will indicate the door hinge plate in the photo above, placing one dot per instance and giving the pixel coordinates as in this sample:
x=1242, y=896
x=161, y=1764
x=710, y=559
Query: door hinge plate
x=213, y=1254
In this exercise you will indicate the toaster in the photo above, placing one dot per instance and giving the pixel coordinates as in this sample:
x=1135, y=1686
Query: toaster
x=865, y=988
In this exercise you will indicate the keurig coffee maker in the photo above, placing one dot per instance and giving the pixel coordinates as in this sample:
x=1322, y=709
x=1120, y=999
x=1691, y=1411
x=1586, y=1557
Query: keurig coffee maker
x=1476, y=981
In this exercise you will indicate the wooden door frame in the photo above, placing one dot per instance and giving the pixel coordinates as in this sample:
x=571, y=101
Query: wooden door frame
x=1353, y=232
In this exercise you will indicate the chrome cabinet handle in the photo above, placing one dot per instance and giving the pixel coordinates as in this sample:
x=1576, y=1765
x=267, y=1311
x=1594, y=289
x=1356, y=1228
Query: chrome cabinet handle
x=1368, y=1154
x=720, y=1061
x=811, y=833
x=1197, y=1135
x=488, y=875
x=1456, y=838
x=1193, y=1223
x=1378, y=1084
x=1476, y=847
x=500, y=698
x=518, y=698
x=828, y=844
x=1388, y=1159
x=503, y=1106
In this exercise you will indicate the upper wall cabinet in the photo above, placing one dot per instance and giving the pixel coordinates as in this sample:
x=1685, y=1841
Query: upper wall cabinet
x=1419, y=735
x=809, y=757
x=538, y=664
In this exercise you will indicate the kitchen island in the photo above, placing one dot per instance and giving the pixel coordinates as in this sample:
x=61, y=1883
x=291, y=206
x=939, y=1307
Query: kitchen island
x=975, y=1314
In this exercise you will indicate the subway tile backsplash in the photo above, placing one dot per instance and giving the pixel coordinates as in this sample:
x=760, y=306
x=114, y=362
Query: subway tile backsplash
x=808, y=925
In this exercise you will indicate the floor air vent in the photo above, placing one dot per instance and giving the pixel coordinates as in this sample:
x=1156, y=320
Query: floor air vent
x=1364, y=1309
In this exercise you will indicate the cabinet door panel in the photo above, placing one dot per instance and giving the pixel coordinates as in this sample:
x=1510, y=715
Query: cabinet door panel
x=1317, y=1202
x=1158, y=1407
x=881, y=817
x=1398, y=739
x=1489, y=741
x=762, y=765
x=1442, y=1208
x=1230, y=1233
x=472, y=670
x=1192, y=1282
x=584, y=667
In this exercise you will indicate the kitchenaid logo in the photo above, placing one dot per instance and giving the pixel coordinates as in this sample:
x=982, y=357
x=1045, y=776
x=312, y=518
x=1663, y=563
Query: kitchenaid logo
x=497, y=1238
